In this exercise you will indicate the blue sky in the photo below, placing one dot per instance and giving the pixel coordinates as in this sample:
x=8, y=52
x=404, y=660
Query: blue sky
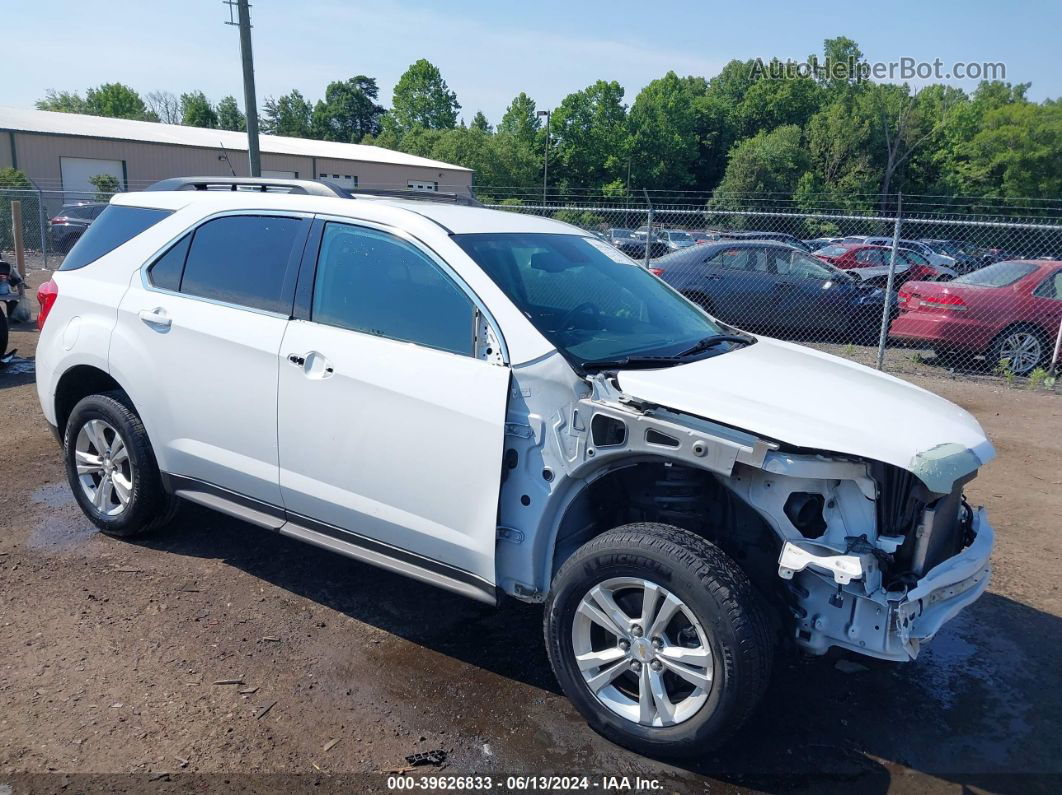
x=490, y=51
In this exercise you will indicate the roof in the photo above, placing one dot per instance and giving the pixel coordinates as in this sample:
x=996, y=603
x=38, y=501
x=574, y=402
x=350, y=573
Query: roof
x=455, y=219
x=49, y=122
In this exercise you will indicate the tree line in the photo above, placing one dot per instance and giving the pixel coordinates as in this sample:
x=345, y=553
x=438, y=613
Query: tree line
x=826, y=136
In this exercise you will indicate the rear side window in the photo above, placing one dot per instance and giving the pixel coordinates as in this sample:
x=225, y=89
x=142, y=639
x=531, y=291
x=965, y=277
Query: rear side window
x=1000, y=274
x=243, y=260
x=116, y=225
x=166, y=272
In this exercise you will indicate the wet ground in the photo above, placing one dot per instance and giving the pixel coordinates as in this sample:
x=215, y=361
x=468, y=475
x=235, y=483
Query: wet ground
x=110, y=653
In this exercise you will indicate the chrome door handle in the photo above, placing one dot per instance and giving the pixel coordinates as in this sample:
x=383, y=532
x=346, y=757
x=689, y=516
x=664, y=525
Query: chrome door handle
x=155, y=317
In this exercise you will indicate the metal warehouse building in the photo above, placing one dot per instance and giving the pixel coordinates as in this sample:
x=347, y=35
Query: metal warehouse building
x=62, y=151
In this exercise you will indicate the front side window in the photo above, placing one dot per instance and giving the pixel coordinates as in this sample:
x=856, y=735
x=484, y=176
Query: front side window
x=587, y=299
x=116, y=225
x=376, y=283
x=242, y=260
x=788, y=262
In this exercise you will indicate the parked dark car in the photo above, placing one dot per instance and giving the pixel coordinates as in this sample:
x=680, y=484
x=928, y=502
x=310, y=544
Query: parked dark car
x=619, y=234
x=762, y=284
x=781, y=237
x=67, y=227
x=635, y=246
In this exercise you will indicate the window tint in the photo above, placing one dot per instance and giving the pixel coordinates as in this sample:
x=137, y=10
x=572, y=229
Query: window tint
x=116, y=225
x=166, y=270
x=241, y=259
x=1051, y=287
x=375, y=283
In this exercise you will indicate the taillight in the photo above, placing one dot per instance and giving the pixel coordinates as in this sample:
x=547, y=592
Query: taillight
x=46, y=295
x=903, y=298
x=945, y=301
x=657, y=271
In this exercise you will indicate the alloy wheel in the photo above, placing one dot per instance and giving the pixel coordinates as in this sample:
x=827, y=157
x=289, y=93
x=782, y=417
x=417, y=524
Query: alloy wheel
x=642, y=652
x=1022, y=350
x=104, y=467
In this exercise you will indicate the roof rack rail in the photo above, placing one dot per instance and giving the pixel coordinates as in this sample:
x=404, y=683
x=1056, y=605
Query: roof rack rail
x=260, y=184
x=414, y=195
x=307, y=187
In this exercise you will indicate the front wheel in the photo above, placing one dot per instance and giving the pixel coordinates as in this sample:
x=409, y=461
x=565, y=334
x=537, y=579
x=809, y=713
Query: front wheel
x=658, y=638
x=112, y=469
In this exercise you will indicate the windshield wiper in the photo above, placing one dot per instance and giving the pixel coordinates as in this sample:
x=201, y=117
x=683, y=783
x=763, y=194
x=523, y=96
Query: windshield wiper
x=712, y=341
x=628, y=361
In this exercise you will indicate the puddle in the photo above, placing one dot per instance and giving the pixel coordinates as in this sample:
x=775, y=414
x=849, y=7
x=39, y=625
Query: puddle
x=18, y=366
x=57, y=528
x=54, y=495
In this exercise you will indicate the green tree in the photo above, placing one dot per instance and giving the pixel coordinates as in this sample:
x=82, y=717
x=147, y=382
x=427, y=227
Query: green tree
x=479, y=122
x=349, y=110
x=422, y=98
x=12, y=179
x=1017, y=152
x=196, y=110
x=773, y=102
x=668, y=132
x=230, y=117
x=521, y=120
x=118, y=101
x=62, y=102
x=592, y=138
x=106, y=185
x=768, y=165
x=289, y=115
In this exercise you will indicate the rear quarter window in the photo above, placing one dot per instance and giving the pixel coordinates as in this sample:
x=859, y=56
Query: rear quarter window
x=116, y=225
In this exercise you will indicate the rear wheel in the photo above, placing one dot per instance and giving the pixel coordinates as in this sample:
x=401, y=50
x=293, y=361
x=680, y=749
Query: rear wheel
x=111, y=467
x=3, y=332
x=1022, y=347
x=658, y=638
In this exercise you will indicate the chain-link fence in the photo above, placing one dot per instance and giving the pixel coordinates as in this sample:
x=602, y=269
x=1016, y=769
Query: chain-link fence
x=952, y=291
x=969, y=287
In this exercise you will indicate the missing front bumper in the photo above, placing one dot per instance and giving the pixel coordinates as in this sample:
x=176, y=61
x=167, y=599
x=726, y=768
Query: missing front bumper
x=884, y=624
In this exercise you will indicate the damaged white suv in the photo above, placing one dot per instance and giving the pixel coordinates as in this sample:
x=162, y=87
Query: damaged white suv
x=502, y=404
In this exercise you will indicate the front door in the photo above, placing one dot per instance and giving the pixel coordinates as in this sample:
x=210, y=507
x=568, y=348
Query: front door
x=390, y=427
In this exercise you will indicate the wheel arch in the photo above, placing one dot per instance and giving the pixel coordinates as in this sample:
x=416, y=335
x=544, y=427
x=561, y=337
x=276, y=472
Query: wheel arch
x=79, y=382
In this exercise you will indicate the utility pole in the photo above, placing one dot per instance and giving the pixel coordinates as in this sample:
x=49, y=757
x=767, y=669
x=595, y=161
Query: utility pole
x=545, y=160
x=250, y=102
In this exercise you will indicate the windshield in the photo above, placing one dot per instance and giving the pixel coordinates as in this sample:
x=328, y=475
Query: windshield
x=624, y=233
x=1001, y=274
x=680, y=237
x=588, y=299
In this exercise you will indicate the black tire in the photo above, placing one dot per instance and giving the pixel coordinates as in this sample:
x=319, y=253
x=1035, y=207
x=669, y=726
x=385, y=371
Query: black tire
x=994, y=355
x=717, y=592
x=149, y=506
x=3, y=332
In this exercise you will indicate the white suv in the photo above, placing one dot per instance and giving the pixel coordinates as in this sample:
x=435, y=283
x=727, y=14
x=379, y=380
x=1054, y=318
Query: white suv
x=502, y=404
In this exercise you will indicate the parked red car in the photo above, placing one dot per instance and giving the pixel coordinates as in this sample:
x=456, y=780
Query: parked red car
x=910, y=265
x=1010, y=310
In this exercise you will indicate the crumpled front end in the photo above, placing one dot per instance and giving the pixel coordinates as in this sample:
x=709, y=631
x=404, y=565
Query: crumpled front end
x=883, y=623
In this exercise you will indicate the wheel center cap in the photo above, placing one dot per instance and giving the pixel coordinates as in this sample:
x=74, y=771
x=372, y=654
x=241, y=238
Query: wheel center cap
x=642, y=650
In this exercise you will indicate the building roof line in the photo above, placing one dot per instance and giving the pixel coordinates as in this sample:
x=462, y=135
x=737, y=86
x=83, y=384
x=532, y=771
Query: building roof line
x=21, y=120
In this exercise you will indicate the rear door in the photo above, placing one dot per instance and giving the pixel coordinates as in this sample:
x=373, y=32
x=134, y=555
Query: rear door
x=390, y=426
x=202, y=327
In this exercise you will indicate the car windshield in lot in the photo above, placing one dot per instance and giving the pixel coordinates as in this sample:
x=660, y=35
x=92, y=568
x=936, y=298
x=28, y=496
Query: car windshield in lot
x=832, y=251
x=680, y=236
x=590, y=301
x=1001, y=274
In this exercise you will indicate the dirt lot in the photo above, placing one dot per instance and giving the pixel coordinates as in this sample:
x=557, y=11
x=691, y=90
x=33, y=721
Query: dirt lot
x=110, y=654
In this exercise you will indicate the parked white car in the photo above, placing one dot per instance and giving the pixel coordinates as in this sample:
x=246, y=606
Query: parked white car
x=497, y=403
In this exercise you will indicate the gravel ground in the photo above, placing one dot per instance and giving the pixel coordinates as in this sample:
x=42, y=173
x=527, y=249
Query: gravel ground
x=111, y=654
